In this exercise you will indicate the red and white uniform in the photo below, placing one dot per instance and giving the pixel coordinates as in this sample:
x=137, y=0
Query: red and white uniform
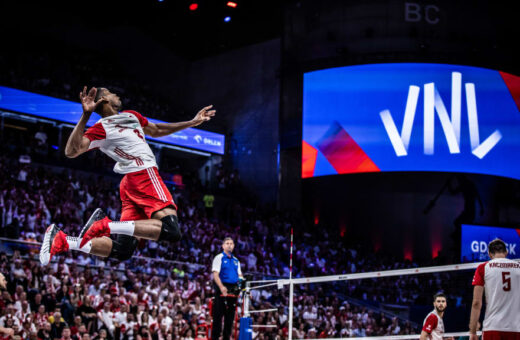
x=433, y=325
x=122, y=138
x=501, y=280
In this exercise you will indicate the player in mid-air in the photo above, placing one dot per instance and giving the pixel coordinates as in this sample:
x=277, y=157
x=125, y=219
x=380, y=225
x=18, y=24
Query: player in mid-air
x=148, y=210
x=499, y=278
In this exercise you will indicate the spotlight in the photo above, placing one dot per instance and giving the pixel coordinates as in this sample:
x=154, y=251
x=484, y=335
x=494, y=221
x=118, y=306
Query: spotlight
x=227, y=19
x=194, y=6
x=232, y=4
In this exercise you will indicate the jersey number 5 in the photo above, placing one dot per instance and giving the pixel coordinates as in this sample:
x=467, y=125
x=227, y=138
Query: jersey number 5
x=506, y=281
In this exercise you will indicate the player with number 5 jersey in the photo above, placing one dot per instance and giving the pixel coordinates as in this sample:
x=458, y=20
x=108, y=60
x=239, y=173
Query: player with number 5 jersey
x=499, y=279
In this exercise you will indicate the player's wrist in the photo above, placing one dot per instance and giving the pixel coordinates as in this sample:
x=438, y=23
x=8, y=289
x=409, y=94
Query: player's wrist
x=195, y=122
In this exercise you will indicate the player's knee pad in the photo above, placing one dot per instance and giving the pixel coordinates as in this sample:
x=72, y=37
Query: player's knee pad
x=123, y=247
x=170, y=231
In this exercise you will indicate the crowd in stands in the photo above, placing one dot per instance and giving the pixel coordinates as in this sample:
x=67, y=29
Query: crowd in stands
x=32, y=196
x=64, y=301
x=80, y=296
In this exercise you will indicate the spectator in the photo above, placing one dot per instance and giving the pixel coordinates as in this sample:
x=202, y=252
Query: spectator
x=57, y=325
x=45, y=332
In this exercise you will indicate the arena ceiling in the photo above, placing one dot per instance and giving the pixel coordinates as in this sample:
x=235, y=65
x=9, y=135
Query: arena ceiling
x=190, y=34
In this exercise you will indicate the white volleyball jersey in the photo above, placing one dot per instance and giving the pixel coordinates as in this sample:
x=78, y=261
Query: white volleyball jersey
x=433, y=325
x=122, y=138
x=501, y=281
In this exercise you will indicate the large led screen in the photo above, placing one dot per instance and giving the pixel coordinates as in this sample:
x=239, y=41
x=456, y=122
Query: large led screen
x=70, y=112
x=475, y=239
x=411, y=117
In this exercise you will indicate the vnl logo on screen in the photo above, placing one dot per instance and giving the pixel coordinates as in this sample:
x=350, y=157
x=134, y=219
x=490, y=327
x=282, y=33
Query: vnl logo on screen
x=411, y=117
x=476, y=238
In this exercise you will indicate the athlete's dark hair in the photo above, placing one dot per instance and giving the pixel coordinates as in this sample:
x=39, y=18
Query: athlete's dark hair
x=227, y=238
x=497, y=246
x=100, y=93
x=438, y=295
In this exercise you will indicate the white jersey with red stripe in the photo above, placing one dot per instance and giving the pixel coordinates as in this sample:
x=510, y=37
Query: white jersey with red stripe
x=433, y=325
x=501, y=280
x=122, y=138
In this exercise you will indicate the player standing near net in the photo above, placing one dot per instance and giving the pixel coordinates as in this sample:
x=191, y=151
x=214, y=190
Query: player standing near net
x=500, y=279
x=433, y=326
x=148, y=210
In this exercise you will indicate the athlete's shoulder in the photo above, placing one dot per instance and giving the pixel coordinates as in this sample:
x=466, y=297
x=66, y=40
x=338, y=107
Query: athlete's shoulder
x=96, y=132
x=430, y=323
x=142, y=120
x=480, y=273
x=432, y=316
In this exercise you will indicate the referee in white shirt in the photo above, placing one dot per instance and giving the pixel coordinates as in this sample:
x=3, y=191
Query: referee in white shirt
x=226, y=274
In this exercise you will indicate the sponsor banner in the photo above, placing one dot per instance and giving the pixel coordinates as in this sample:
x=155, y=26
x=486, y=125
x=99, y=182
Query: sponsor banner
x=411, y=117
x=70, y=112
x=475, y=239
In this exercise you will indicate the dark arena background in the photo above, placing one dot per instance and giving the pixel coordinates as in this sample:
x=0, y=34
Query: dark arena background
x=362, y=156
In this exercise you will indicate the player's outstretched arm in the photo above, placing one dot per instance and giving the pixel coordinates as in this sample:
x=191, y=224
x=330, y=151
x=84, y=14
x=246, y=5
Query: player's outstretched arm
x=476, y=306
x=164, y=129
x=77, y=143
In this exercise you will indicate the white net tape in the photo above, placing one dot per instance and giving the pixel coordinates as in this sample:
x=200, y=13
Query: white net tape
x=399, y=337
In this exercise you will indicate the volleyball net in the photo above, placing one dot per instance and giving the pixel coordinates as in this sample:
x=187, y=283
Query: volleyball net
x=389, y=304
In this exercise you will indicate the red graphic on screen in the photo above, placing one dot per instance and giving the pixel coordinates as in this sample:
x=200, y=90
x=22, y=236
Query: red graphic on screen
x=518, y=231
x=513, y=84
x=343, y=153
x=309, y=155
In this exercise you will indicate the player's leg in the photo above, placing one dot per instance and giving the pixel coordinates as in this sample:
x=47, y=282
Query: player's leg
x=122, y=248
x=101, y=246
x=155, y=199
x=143, y=190
x=163, y=226
x=148, y=191
x=56, y=241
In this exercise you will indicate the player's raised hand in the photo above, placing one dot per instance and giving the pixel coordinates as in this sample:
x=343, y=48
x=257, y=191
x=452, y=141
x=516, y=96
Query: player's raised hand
x=204, y=115
x=88, y=100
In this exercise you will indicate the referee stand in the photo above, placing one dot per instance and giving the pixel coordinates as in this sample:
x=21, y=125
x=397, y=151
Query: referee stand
x=246, y=323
